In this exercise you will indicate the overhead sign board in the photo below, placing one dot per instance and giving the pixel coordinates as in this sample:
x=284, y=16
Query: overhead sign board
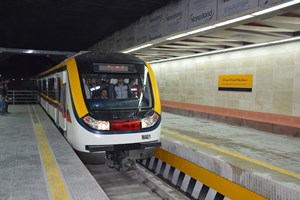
x=230, y=7
x=155, y=24
x=175, y=17
x=130, y=35
x=268, y=3
x=142, y=30
x=201, y=12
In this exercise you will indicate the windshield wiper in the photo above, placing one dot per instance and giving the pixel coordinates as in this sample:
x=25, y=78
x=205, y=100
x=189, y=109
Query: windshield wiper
x=106, y=106
x=142, y=92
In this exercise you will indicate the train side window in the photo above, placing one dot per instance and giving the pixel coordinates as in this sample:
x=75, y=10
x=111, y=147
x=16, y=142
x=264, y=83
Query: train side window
x=51, y=91
x=57, y=85
x=44, y=89
x=39, y=85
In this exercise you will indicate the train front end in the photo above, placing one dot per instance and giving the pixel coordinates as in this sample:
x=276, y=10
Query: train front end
x=124, y=112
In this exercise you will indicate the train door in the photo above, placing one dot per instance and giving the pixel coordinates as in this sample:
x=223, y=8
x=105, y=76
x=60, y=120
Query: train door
x=57, y=90
x=51, y=95
x=46, y=93
x=62, y=119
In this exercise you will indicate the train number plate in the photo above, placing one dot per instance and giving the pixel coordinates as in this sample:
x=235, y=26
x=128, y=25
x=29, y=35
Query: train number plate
x=146, y=137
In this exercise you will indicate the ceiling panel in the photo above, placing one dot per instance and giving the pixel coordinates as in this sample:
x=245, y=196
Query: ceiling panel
x=260, y=30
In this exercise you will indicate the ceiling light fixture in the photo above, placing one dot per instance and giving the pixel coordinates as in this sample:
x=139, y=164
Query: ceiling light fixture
x=284, y=5
x=137, y=48
x=177, y=36
x=201, y=30
x=191, y=32
x=227, y=50
x=285, y=40
x=28, y=51
x=210, y=27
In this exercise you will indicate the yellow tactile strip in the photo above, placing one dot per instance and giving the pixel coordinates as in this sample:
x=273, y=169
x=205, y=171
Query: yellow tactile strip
x=55, y=181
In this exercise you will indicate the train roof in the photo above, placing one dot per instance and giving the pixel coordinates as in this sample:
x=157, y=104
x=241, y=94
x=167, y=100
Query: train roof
x=97, y=57
x=107, y=57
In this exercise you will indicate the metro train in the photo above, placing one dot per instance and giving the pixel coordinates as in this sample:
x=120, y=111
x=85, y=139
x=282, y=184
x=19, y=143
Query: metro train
x=119, y=127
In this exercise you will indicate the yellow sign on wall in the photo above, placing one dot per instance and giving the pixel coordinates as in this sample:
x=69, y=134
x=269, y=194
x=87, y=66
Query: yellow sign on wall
x=235, y=82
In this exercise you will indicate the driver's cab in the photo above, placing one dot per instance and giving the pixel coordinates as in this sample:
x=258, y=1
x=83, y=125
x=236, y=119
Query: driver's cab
x=117, y=91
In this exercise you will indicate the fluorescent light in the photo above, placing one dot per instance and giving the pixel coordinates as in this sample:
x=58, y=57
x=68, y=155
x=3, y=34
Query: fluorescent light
x=233, y=20
x=285, y=40
x=137, y=48
x=200, y=30
x=28, y=51
x=227, y=50
x=284, y=5
x=191, y=32
x=210, y=27
x=177, y=36
x=209, y=53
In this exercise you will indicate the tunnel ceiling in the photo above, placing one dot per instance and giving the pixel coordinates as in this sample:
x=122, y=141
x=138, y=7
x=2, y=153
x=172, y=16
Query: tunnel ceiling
x=266, y=29
x=67, y=25
x=62, y=25
x=72, y=26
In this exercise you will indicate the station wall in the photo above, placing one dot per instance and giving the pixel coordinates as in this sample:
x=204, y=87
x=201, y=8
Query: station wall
x=276, y=79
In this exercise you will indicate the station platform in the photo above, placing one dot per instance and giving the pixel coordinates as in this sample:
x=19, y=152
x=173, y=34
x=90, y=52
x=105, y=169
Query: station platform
x=265, y=163
x=36, y=162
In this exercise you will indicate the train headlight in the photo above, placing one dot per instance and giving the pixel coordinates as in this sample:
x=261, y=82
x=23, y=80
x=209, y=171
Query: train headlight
x=150, y=121
x=97, y=124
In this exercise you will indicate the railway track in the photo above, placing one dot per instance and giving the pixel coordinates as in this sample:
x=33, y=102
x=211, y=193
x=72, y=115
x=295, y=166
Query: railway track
x=134, y=184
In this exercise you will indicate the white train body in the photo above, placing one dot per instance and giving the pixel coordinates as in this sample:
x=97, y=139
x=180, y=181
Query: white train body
x=71, y=95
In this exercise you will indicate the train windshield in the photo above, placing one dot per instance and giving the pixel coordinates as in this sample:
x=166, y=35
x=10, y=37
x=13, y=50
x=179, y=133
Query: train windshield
x=117, y=87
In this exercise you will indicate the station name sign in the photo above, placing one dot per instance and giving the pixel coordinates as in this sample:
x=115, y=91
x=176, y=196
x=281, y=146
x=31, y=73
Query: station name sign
x=235, y=82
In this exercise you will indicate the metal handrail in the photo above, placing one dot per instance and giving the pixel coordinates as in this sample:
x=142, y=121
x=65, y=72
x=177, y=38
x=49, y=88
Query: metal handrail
x=22, y=96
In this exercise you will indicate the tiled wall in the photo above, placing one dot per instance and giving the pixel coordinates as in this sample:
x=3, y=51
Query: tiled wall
x=276, y=79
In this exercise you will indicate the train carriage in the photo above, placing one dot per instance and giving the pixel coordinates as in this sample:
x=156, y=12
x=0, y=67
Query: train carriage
x=106, y=104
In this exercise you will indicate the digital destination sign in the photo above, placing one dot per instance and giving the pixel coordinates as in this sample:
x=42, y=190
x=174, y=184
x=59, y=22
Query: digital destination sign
x=104, y=67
